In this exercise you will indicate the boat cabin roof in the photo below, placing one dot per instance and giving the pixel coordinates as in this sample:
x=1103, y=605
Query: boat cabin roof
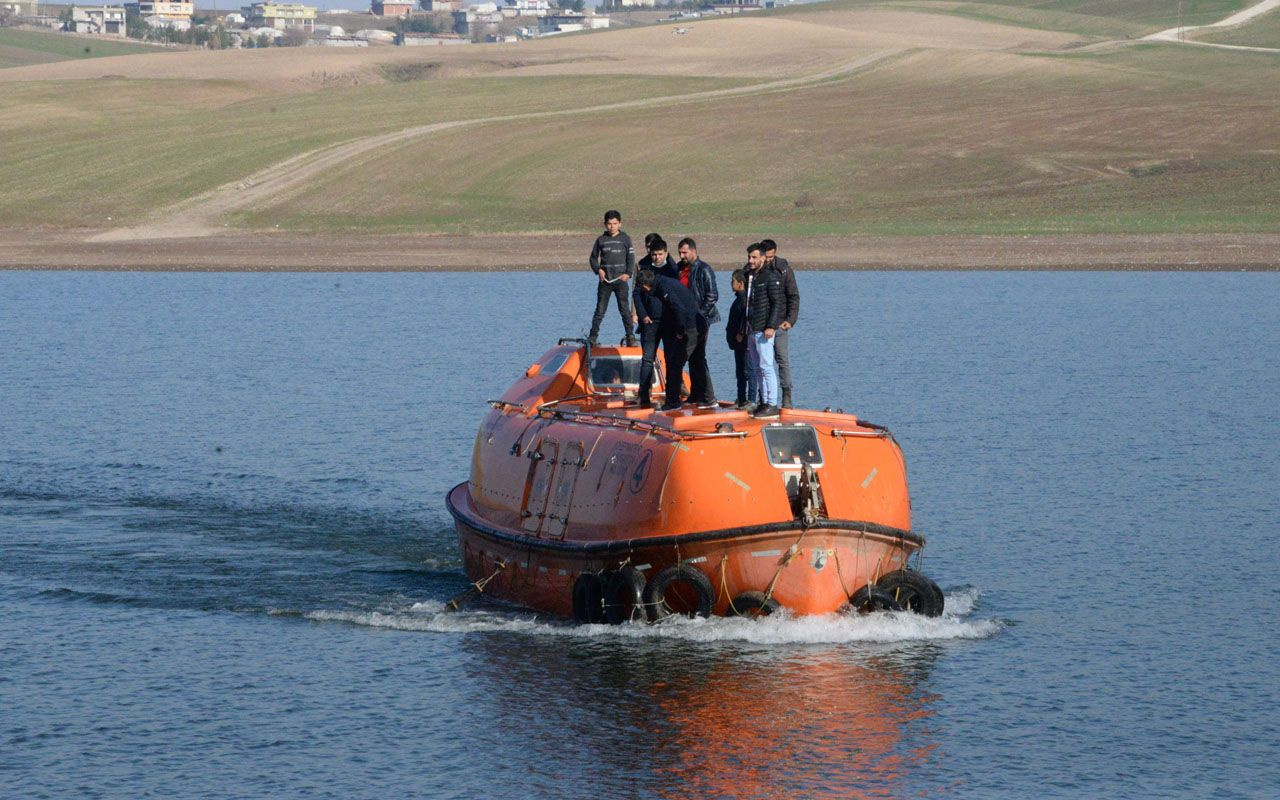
x=574, y=380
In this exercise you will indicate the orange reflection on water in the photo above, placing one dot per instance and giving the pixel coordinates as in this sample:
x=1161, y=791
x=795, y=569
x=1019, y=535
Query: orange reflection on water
x=815, y=725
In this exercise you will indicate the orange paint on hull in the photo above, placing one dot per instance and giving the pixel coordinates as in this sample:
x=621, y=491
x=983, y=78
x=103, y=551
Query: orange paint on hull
x=569, y=477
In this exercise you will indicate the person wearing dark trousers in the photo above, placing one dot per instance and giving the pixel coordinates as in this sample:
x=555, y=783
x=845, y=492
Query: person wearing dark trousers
x=681, y=326
x=698, y=277
x=766, y=303
x=613, y=260
x=781, y=343
x=735, y=333
x=648, y=310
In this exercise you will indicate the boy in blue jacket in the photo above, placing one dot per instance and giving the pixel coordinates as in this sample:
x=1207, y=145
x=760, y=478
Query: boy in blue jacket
x=681, y=327
x=735, y=333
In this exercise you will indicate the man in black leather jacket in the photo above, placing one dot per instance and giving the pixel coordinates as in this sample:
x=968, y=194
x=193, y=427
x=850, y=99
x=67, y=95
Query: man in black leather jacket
x=698, y=276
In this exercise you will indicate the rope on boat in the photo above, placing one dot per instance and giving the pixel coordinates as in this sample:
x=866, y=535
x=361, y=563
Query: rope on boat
x=477, y=587
x=792, y=552
x=724, y=583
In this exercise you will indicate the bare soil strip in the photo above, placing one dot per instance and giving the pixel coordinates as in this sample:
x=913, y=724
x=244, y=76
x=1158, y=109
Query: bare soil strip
x=567, y=250
x=196, y=217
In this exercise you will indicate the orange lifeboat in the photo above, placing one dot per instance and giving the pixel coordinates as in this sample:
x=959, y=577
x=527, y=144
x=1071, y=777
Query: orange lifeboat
x=583, y=504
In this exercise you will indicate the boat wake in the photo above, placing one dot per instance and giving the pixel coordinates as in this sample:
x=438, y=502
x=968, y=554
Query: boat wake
x=885, y=627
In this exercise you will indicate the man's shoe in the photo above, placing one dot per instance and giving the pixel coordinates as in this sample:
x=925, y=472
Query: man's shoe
x=630, y=342
x=706, y=404
x=743, y=405
x=644, y=404
x=767, y=412
x=671, y=406
x=786, y=399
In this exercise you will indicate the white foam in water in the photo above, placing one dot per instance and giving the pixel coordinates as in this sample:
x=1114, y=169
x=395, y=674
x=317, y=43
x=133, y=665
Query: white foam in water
x=433, y=616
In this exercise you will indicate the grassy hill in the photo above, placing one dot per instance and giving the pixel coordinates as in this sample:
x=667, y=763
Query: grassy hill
x=1263, y=31
x=963, y=125
x=21, y=47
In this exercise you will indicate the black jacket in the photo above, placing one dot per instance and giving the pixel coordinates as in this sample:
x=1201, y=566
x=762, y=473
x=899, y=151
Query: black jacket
x=783, y=268
x=737, y=322
x=702, y=281
x=647, y=304
x=768, y=300
x=668, y=268
x=679, y=308
x=613, y=254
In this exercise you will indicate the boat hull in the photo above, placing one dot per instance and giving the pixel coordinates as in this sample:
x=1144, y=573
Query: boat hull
x=806, y=570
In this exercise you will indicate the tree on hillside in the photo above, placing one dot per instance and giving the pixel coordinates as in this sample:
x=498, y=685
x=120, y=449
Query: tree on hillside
x=571, y=5
x=295, y=37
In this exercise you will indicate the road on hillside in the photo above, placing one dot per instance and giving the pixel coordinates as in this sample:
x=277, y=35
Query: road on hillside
x=1238, y=18
x=196, y=217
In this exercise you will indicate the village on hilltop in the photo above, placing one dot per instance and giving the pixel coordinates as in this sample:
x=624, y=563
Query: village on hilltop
x=390, y=22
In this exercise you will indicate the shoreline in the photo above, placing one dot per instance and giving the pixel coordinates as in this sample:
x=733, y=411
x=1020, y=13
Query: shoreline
x=260, y=251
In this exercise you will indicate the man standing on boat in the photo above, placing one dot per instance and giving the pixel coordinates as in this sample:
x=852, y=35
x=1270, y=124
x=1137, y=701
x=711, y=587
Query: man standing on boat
x=681, y=326
x=698, y=277
x=766, y=304
x=780, y=344
x=613, y=260
x=648, y=310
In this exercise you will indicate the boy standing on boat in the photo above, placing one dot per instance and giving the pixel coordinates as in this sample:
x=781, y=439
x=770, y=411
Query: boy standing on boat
x=613, y=260
x=780, y=340
x=766, y=304
x=681, y=326
x=735, y=333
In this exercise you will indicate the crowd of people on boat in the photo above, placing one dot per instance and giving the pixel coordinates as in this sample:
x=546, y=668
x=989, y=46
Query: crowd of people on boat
x=674, y=303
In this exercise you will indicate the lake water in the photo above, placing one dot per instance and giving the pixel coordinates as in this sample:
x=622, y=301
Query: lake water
x=224, y=552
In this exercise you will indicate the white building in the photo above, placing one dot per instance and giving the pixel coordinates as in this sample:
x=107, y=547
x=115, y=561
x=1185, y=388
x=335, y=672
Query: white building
x=569, y=21
x=433, y=40
x=102, y=20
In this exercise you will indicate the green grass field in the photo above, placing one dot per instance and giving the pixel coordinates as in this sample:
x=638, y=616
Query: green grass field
x=1127, y=141
x=1104, y=18
x=19, y=48
x=1263, y=31
x=85, y=150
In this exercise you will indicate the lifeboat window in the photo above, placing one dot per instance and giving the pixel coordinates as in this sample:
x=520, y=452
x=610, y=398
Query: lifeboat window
x=792, y=445
x=554, y=364
x=615, y=371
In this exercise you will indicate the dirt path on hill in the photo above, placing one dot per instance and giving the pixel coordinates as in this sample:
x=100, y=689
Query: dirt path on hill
x=196, y=216
x=1239, y=18
x=253, y=251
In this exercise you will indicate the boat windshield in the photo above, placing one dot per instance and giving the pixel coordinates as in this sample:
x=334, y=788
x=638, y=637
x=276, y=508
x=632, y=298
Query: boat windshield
x=792, y=445
x=615, y=372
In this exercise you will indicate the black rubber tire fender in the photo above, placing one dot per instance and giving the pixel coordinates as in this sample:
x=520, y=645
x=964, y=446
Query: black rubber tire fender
x=624, y=596
x=913, y=591
x=696, y=597
x=872, y=598
x=752, y=605
x=588, y=598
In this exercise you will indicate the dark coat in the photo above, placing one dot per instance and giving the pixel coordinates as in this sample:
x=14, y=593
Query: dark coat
x=737, y=322
x=647, y=304
x=668, y=267
x=702, y=280
x=679, y=308
x=613, y=254
x=768, y=300
x=789, y=288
